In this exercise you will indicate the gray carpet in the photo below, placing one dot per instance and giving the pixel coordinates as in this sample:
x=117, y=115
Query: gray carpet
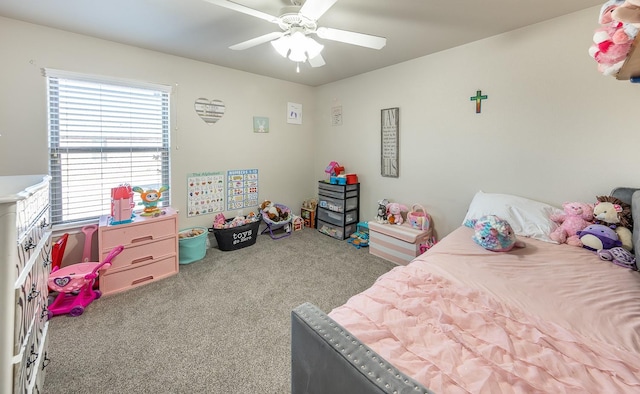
x=222, y=325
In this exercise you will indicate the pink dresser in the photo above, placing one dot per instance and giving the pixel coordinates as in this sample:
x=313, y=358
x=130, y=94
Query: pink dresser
x=150, y=251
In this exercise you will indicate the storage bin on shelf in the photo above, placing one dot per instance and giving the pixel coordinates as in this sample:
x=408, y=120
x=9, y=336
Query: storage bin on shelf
x=236, y=237
x=192, y=244
x=338, y=219
x=336, y=205
x=338, y=232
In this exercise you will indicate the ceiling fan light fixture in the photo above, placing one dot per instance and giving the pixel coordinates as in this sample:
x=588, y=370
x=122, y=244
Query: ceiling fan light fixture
x=281, y=45
x=313, y=47
x=297, y=55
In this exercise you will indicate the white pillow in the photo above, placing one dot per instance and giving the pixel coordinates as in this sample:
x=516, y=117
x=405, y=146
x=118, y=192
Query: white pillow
x=528, y=218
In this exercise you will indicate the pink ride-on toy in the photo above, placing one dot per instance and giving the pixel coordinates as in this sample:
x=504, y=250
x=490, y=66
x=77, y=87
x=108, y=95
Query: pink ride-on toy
x=74, y=284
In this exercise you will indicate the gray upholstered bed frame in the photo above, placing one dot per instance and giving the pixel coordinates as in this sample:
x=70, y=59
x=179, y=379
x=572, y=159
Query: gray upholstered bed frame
x=328, y=359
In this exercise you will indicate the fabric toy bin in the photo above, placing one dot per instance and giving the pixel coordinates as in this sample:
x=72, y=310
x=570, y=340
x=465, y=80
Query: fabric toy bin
x=398, y=244
x=192, y=247
x=236, y=237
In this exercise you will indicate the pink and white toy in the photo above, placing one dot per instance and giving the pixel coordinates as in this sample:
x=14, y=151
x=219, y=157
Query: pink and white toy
x=74, y=284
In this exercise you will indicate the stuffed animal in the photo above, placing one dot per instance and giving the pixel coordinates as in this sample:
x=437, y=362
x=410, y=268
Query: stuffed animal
x=628, y=12
x=616, y=214
x=269, y=209
x=381, y=215
x=394, y=212
x=273, y=211
x=612, y=40
x=576, y=216
x=150, y=199
x=619, y=256
x=494, y=234
x=219, y=221
x=597, y=237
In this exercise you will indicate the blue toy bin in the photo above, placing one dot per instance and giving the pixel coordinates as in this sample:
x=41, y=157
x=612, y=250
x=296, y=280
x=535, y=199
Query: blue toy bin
x=192, y=247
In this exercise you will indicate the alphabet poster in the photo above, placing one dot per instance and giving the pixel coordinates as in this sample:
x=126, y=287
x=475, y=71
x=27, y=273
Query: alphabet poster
x=242, y=189
x=205, y=193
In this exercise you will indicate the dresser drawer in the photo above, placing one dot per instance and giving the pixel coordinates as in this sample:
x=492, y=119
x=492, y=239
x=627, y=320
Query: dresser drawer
x=148, y=252
x=26, y=368
x=29, y=241
x=114, y=282
x=27, y=371
x=137, y=234
x=26, y=298
x=29, y=209
x=31, y=294
x=37, y=384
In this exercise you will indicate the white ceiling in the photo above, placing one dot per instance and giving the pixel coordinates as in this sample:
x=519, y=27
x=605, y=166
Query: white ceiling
x=202, y=31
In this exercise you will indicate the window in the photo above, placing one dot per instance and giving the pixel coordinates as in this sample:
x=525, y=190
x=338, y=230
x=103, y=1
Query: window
x=103, y=133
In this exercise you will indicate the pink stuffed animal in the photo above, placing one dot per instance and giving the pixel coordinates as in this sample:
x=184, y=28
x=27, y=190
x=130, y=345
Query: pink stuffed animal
x=394, y=212
x=612, y=40
x=576, y=217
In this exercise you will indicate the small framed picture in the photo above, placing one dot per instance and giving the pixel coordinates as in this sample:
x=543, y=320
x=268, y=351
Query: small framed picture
x=260, y=124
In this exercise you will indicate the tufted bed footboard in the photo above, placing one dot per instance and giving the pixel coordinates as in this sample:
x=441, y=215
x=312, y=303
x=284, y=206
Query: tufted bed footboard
x=327, y=359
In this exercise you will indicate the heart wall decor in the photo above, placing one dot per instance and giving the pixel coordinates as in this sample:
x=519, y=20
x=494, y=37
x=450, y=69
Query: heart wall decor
x=210, y=111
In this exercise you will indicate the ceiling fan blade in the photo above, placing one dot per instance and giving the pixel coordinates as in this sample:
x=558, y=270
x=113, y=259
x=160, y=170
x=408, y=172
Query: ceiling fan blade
x=257, y=41
x=350, y=37
x=317, y=61
x=245, y=10
x=314, y=9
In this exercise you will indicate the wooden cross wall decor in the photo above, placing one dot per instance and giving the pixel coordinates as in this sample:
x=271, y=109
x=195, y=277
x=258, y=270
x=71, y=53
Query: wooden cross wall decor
x=478, y=99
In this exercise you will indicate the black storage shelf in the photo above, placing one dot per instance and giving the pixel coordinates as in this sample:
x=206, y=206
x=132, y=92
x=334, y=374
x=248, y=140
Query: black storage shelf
x=338, y=209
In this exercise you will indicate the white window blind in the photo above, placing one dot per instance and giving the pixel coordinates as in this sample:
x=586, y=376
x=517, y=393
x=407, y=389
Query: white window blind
x=103, y=133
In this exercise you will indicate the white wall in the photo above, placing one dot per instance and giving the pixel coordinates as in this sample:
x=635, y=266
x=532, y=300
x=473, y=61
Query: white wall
x=283, y=156
x=552, y=129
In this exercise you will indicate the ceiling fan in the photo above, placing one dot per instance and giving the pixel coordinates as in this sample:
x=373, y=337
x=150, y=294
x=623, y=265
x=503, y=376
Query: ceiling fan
x=297, y=22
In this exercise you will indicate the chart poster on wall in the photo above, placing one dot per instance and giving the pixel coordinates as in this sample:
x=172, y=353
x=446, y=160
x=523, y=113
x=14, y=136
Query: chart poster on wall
x=242, y=189
x=205, y=193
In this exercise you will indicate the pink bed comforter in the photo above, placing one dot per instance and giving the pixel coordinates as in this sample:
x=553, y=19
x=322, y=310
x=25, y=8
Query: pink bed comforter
x=544, y=319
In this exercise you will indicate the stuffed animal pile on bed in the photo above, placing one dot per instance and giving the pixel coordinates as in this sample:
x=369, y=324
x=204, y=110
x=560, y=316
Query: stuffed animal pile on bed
x=609, y=233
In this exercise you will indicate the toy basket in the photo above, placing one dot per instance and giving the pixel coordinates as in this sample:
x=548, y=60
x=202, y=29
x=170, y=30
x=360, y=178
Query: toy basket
x=192, y=245
x=418, y=217
x=234, y=238
x=271, y=225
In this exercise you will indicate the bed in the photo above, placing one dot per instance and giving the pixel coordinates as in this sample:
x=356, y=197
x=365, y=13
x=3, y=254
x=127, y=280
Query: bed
x=546, y=318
